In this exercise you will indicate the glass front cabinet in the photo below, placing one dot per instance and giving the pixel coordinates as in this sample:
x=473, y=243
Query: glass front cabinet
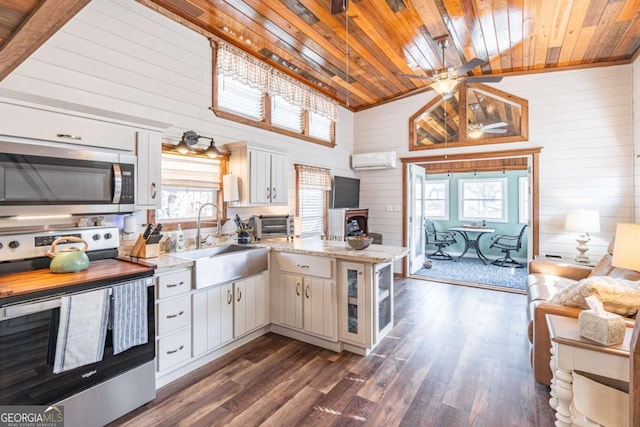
x=366, y=304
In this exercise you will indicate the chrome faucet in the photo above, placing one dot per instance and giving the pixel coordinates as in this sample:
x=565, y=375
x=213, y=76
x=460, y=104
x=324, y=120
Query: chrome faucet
x=198, y=236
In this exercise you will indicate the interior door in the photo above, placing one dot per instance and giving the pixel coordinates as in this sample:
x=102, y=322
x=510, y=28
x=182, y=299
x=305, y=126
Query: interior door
x=415, y=227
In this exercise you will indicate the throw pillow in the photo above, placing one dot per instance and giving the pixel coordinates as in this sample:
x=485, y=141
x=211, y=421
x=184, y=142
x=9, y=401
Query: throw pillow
x=616, y=295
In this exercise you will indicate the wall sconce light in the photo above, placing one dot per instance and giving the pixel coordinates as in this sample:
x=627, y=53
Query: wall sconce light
x=190, y=139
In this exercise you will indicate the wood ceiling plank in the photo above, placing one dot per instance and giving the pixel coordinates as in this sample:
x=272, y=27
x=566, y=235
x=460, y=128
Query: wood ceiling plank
x=630, y=10
x=516, y=22
x=48, y=17
x=630, y=41
x=584, y=39
x=528, y=33
x=594, y=13
x=279, y=15
x=10, y=20
x=375, y=50
x=609, y=16
x=465, y=32
x=544, y=23
x=503, y=34
x=562, y=15
x=22, y=6
x=486, y=15
x=572, y=32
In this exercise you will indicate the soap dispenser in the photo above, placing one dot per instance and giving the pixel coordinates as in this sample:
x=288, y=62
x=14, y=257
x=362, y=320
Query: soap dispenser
x=179, y=239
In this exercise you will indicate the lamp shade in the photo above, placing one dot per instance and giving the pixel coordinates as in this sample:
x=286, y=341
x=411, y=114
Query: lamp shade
x=230, y=192
x=582, y=221
x=626, y=249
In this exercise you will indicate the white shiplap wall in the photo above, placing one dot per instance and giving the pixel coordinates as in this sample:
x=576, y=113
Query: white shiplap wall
x=120, y=56
x=582, y=119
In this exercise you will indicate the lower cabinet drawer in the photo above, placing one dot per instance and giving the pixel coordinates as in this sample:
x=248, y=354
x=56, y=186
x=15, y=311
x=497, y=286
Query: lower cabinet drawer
x=306, y=265
x=173, y=314
x=175, y=283
x=173, y=349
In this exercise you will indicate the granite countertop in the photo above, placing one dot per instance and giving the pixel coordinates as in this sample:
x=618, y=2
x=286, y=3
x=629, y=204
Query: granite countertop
x=341, y=250
x=315, y=247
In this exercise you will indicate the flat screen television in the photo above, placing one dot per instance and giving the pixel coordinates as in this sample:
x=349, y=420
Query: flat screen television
x=345, y=193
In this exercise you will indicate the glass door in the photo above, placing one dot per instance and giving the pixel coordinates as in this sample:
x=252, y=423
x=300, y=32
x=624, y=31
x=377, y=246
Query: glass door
x=352, y=284
x=384, y=300
x=415, y=228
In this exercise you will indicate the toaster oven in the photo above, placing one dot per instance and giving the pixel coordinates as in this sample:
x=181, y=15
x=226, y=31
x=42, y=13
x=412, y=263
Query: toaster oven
x=272, y=226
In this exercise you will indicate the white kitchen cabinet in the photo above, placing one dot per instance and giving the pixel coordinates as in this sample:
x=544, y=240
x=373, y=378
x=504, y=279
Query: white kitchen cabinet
x=173, y=318
x=18, y=121
x=226, y=312
x=149, y=151
x=263, y=175
x=268, y=179
x=366, y=302
x=307, y=295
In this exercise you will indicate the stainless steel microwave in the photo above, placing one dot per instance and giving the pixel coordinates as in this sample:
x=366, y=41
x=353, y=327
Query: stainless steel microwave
x=58, y=179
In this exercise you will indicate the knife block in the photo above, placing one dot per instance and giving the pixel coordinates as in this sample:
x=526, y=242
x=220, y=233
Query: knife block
x=142, y=250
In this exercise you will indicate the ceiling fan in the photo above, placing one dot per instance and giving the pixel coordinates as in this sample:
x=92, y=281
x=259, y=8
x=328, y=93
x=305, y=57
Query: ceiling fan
x=476, y=129
x=446, y=79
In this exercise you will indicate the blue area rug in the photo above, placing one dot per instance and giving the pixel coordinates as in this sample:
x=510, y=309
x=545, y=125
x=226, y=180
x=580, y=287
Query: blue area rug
x=472, y=270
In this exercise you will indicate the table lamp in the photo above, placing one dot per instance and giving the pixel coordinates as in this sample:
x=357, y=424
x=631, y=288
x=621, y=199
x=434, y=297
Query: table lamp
x=583, y=222
x=626, y=249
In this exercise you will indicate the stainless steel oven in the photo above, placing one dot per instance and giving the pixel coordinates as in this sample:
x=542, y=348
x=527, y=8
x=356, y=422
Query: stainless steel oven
x=92, y=394
x=65, y=179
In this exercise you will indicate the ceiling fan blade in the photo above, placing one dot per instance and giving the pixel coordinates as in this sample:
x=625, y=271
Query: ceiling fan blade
x=339, y=6
x=494, y=125
x=479, y=79
x=469, y=66
x=415, y=76
x=494, y=130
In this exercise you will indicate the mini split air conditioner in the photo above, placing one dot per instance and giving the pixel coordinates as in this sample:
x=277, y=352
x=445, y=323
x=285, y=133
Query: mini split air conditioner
x=381, y=160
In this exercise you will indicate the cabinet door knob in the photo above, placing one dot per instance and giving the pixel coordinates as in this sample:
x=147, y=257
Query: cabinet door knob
x=229, y=296
x=154, y=190
x=239, y=294
x=268, y=193
x=298, y=289
x=173, y=285
x=274, y=193
x=306, y=292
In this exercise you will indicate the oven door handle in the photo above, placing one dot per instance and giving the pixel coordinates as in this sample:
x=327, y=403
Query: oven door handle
x=30, y=308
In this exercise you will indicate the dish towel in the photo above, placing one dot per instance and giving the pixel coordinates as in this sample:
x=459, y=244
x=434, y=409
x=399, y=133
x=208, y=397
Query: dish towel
x=129, y=315
x=82, y=330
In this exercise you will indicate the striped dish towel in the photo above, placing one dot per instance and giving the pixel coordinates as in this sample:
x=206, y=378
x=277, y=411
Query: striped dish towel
x=82, y=330
x=129, y=315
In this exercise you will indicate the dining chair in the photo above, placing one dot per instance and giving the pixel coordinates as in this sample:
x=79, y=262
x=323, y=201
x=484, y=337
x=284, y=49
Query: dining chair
x=441, y=239
x=506, y=244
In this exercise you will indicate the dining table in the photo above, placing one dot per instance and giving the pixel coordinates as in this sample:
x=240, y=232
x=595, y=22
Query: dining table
x=471, y=236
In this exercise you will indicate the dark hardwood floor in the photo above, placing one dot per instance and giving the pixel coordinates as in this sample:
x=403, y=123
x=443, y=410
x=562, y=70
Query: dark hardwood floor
x=458, y=356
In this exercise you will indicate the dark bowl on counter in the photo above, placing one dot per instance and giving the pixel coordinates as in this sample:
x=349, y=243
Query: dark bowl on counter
x=359, y=242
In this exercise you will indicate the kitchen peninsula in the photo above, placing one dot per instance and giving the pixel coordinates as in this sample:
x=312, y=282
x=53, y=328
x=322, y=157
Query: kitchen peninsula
x=320, y=292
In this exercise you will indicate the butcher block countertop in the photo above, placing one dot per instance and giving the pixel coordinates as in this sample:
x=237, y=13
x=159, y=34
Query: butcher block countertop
x=44, y=281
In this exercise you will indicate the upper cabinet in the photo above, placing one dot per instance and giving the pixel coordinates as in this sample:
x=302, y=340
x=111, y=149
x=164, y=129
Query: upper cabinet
x=149, y=150
x=26, y=122
x=475, y=114
x=263, y=175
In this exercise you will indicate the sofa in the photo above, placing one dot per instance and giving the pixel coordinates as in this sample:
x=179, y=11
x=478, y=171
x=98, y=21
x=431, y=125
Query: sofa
x=545, y=279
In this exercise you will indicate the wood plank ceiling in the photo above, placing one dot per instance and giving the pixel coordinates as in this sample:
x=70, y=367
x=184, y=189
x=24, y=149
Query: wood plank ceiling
x=389, y=39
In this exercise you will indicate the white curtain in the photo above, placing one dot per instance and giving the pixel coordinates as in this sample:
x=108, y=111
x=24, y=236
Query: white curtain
x=234, y=63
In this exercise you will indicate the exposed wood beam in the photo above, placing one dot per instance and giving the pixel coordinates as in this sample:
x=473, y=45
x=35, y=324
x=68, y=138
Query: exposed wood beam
x=44, y=21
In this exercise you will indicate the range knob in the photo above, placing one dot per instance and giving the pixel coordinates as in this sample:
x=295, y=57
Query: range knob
x=107, y=236
x=96, y=237
x=14, y=244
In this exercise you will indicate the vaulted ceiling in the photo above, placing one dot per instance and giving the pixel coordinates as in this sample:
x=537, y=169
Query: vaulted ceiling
x=363, y=57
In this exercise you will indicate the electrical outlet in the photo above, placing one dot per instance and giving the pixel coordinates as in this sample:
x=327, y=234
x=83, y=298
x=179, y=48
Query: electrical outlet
x=388, y=208
x=396, y=208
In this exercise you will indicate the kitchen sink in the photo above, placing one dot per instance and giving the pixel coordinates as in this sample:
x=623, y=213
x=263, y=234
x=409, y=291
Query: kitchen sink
x=221, y=264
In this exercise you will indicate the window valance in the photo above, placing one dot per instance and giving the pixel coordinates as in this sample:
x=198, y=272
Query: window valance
x=313, y=177
x=234, y=63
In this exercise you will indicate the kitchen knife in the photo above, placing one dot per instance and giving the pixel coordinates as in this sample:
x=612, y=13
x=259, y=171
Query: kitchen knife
x=147, y=231
x=250, y=224
x=157, y=230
